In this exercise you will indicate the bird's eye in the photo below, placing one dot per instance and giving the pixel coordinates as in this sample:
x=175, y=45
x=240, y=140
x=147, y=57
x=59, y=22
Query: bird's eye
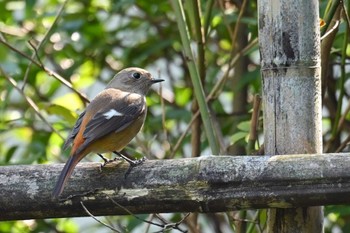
x=136, y=75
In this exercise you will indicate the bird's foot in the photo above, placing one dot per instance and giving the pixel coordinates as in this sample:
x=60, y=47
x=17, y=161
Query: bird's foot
x=107, y=161
x=132, y=162
x=137, y=162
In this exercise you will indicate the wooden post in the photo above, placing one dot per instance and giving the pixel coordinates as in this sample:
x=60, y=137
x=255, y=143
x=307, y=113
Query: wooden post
x=289, y=41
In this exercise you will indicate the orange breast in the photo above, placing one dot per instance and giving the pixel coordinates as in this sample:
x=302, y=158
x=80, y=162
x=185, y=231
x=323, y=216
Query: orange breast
x=117, y=141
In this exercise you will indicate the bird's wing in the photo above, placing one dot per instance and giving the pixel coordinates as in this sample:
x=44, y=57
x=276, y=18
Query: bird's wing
x=114, y=117
x=74, y=132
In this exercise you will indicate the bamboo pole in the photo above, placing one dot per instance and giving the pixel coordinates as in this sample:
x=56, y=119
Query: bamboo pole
x=204, y=184
x=289, y=37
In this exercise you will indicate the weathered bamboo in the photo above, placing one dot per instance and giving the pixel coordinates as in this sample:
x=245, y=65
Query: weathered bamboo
x=205, y=184
x=289, y=37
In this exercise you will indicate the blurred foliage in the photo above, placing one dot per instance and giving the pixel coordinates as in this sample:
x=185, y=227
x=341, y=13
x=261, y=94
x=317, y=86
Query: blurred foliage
x=87, y=42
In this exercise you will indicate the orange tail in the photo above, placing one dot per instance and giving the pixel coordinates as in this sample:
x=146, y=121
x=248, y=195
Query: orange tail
x=65, y=174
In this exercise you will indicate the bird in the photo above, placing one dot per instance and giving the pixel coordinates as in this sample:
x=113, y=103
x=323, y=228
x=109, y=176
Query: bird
x=110, y=121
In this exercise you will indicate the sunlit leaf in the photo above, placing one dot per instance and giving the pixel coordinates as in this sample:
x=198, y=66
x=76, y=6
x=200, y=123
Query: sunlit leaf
x=238, y=136
x=244, y=126
x=182, y=96
x=69, y=101
x=63, y=112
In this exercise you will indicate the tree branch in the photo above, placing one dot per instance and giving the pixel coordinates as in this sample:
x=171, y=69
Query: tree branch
x=205, y=184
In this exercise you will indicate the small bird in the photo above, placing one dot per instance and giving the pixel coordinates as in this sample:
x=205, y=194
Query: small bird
x=110, y=121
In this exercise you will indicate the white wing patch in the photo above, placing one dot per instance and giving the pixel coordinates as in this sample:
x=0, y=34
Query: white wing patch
x=112, y=113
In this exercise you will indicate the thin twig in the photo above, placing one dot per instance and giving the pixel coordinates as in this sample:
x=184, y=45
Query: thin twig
x=244, y=220
x=343, y=144
x=256, y=223
x=340, y=126
x=47, y=70
x=183, y=135
x=30, y=102
x=162, y=105
x=36, y=54
x=330, y=11
x=335, y=130
x=151, y=216
x=253, y=135
x=335, y=26
x=36, y=49
x=168, y=225
x=207, y=18
x=235, y=30
x=135, y=216
x=164, y=226
x=227, y=24
x=97, y=220
x=343, y=117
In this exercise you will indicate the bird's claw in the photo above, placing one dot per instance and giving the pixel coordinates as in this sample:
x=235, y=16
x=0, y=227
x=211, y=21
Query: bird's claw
x=133, y=163
x=107, y=161
x=137, y=162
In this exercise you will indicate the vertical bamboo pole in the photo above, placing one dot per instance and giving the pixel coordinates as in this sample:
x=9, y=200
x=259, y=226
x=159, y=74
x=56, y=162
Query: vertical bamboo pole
x=289, y=38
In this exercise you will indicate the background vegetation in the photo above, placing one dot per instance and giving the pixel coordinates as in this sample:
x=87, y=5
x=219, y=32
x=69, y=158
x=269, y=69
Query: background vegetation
x=53, y=53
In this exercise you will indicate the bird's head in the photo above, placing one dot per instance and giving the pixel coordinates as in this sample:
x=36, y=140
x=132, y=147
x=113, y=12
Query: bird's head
x=133, y=79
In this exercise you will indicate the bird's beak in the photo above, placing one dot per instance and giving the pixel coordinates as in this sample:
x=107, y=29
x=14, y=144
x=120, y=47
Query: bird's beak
x=156, y=80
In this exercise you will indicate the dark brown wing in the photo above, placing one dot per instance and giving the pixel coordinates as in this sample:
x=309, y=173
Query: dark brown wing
x=74, y=132
x=113, y=117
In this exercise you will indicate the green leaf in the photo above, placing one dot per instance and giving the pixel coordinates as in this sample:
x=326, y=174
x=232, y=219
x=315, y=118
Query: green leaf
x=238, y=136
x=10, y=153
x=63, y=112
x=183, y=96
x=244, y=126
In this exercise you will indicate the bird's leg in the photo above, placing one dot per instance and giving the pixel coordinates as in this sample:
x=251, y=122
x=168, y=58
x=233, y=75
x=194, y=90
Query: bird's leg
x=106, y=161
x=132, y=163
